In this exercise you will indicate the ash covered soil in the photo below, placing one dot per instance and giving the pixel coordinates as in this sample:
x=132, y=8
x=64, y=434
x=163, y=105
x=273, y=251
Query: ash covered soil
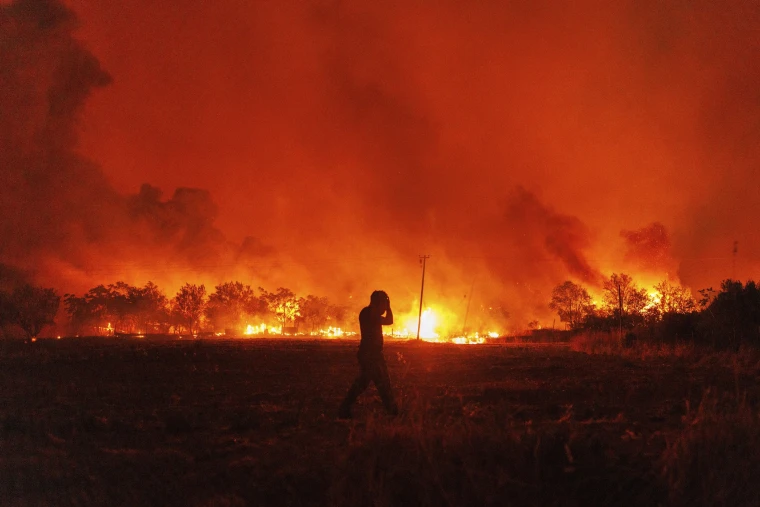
x=252, y=422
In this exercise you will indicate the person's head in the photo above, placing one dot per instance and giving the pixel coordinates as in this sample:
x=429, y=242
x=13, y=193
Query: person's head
x=379, y=300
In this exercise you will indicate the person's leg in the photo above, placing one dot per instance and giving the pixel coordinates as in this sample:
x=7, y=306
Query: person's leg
x=360, y=384
x=383, y=383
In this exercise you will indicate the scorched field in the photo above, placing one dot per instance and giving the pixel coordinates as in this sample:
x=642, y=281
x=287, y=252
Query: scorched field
x=253, y=422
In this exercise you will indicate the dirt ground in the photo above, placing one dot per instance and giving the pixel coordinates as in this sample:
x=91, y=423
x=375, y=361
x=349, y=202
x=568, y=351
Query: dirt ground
x=252, y=422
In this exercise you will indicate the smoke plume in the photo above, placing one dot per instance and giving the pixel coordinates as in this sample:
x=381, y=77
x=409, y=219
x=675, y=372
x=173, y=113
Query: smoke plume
x=62, y=220
x=335, y=142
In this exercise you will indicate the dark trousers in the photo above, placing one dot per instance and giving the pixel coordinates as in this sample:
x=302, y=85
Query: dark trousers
x=373, y=369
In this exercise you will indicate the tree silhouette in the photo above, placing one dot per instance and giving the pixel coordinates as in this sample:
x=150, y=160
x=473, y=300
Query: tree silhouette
x=90, y=310
x=149, y=308
x=283, y=304
x=674, y=298
x=733, y=316
x=231, y=304
x=119, y=306
x=314, y=311
x=337, y=315
x=572, y=303
x=33, y=308
x=6, y=309
x=188, y=306
x=623, y=298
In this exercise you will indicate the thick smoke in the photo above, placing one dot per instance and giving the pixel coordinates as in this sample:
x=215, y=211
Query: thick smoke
x=351, y=137
x=545, y=235
x=45, y=80
x=62, y=220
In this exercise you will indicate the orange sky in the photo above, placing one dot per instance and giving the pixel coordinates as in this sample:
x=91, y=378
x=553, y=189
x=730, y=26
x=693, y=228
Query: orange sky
x=350, y=137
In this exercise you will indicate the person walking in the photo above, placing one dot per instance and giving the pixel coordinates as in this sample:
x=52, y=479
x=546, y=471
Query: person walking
x=371, y=360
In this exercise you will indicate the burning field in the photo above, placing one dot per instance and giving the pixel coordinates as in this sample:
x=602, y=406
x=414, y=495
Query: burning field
x=210, y=423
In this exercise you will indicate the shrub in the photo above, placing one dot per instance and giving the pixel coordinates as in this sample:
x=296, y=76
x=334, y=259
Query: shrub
x=715, y=459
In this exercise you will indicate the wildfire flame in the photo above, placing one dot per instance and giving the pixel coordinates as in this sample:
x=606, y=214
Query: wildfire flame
x=428, y=323
x=261, y=329
x=438, y=326
x=264, y=329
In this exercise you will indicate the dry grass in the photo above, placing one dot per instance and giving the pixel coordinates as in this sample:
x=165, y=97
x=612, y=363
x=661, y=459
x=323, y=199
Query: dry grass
x=251, y=423
x=481, y=460
x=714, y=460
x=745, y=357
x=597, y=343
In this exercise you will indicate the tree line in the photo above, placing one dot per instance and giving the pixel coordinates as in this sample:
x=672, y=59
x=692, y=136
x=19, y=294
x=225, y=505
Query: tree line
x=727, y=317
x=121, y=308
x=228, y=309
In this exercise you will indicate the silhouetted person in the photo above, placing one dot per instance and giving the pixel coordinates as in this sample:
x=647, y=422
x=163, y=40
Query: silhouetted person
x=371, y=361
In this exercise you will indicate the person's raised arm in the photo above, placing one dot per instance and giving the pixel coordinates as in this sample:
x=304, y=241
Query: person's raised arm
x=388, y=319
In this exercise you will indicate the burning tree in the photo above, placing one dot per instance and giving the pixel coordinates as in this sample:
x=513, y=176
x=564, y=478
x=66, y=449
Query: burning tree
x=188, y=306
x=623, y=298
x=90, y=310
x=32, y=308
x=674, y=298
x=314, y=311
x=129, y=308
x=119, y=307
x=572, y=303
x=283, y=304
x=338, y=314
x=149, y=308
x=232, y=303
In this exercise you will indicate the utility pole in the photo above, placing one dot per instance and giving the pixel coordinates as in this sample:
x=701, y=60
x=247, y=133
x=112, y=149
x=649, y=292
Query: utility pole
x=467, y=311
x=423, y=258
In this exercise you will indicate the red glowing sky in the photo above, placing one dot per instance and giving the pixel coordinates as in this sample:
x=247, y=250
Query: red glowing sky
x=350, y=137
